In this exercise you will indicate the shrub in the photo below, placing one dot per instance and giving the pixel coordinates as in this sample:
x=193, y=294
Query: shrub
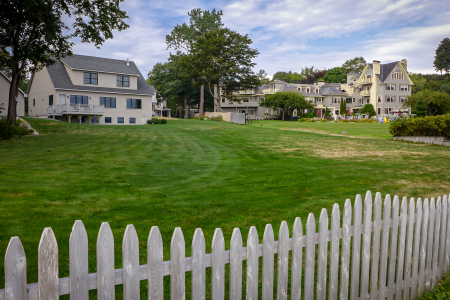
x=427, y=126
x=157, y=121
x=8, y=131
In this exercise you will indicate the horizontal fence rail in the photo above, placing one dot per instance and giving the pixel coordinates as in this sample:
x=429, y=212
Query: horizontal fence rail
x=384, y=249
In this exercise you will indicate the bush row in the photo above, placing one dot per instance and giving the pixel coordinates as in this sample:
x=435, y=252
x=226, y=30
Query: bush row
x=427, y=126
x=157, y=121
x=8, y=131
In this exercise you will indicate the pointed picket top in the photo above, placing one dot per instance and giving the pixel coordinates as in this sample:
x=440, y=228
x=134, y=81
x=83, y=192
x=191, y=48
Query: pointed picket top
x=177, y=270
x=283, y=261
x=416, y=249
x=356, y=249
x=105, y=263
x=252, y=264
x=334, y=252
x=48, y=274
x=198, y=265
x=296, y=264
x=78, y=262
x=268, y=263
x=218, y=266
x=309, y=257
x=15, y=270
x=155, y=264
x=130, y=262
x=236, y=265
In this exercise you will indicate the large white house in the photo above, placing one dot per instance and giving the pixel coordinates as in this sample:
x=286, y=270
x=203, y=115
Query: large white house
x=385, y=86
x=87, y=89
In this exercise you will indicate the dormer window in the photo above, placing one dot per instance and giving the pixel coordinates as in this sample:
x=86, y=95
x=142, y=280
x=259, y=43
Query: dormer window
x=123, y=80
x=369, y=73
x=307, y=90
x=90, y=78
x=397, y=74
x=317, y=90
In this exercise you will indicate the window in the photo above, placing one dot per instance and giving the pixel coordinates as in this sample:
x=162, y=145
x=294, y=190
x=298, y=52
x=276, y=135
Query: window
x=402, y=99
x=134, y=103
x=120, y=120
x=349, y=100
x=354, y=100
x=94, y=119
x=390, y=98
x=75, y=99
x=50, y=100
x=108, y=119
x=90, y=78
x=132, y=120
x=369, y=73
x=379, y=98
x=34, y=102
x=245, y=99
x=317, y=90
x=318, y=100
x=390, y=87
x=307, y=90
x=404, y=87
x=337, y=112
x=223, y=100
x=108, y=102
x=123, y=80
x=397, y=74
x=379, y=110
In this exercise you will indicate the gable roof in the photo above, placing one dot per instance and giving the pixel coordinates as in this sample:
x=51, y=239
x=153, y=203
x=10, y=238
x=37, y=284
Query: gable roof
x=9, y=80
x=61, y=79
x=100, y=64
x=385, y=70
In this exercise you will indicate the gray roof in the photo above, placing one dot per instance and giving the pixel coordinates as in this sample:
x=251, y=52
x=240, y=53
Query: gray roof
x=61, y=79
x=9, y=80
x=385, y=70
x=99, y=64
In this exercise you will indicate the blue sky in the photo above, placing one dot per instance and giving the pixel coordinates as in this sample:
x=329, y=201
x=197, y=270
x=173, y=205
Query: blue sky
x=292, y=34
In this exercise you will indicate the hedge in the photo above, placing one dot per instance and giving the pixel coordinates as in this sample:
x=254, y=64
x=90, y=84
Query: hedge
x=427, y=126
x=157, y=121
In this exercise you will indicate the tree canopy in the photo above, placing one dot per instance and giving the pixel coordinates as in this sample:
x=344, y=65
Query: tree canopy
x=356, y=64
x=368, y=108
x=290, y=77
x=33, y=33
x=336, y=75
x=442, y=57
x=287, y=102
x=437, y=103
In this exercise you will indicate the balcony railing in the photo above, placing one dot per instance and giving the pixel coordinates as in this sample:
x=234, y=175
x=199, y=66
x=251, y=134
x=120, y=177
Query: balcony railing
x=365, y=93
x=365, y=80
x=270, y=91
x=60, y=109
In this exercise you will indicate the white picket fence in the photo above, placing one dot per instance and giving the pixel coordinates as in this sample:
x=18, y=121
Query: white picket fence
x=398, y=251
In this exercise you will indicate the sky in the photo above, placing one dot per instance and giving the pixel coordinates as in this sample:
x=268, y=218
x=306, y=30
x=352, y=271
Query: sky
x=292, y=34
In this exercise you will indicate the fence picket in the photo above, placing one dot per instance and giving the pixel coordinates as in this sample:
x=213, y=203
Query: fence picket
x=177, y=266
x=375, y=246
x=48, y=276
x=236, y=265
x=365, y=259
x=447, y=244
x=252, y=264
x=437, y=235
x=283, y=261
x=384, y=246
x=409, y=246
x=218, y=266
x=401, y=248
x=423, y=246
x=15, y=271
x=155, y=264
x=345, y=253
x=105, y=263
x=130, y=261
x=393, y=248
x=416, y=253
x=443, y=237
x=334, y=252
x=322, y=256
x=78, y=262
x=356, y=251
x=268, y=263
x=310, y=252
x=296, y=264
x=429, y=262
x=198, y=274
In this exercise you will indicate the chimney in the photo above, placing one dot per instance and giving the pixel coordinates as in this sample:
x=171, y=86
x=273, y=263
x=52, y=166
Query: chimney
x=320, y=82
x=128, y=62
x=376, y=67
x=405, y=64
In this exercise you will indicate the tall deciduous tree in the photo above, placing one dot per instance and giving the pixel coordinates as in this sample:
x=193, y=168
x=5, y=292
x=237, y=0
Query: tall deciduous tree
x=33, y=33
x=336, y=75
x=290, y=77
x=442, y=58
x=183, y=36
x=287, y=102
x=438, y=103
x=356, y=64
x=223, y=58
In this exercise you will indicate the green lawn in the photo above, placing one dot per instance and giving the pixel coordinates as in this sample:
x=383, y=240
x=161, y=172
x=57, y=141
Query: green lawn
x=192, y=174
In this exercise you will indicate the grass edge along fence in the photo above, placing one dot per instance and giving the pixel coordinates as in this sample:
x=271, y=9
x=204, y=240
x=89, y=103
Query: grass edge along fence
x=394, y=249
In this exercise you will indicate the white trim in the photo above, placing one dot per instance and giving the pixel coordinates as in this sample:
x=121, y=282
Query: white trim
x=104, y=92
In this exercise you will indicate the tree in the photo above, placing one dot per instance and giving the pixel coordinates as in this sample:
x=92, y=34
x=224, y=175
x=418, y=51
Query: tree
x=289, y=77
x=223, y=58
x=356, y=64
x=183, y=36
x=343, y=108
x=33, y=33
x=442, y=57
x=437, y=103
x=368, y=108
x=262, y=76
x=336, y=75
x=287, y=102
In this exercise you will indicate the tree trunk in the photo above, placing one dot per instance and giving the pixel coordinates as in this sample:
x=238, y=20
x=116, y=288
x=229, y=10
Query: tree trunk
x=202, y=101
x=185, y=107
x=283, y=114
x=217, y=95
x=13, y=91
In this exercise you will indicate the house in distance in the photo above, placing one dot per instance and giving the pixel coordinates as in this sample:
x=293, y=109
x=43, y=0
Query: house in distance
x=87, y=89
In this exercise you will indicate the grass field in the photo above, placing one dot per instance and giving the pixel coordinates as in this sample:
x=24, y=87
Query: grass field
x=191, y=174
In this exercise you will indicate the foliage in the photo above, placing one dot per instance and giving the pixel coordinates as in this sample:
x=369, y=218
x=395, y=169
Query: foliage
x=157, y=121
x=440, y=292
x=262, y=76
x=289, y=77
x=343, y=107
x=336, y=75
x=437, y=103
x=311, y=74
x=356, y=64
x=35, y=33
x=287, y=102
x=327, y=113
x=442, y=57
x=427, y=126
x=368, y=108
x=8, y=131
